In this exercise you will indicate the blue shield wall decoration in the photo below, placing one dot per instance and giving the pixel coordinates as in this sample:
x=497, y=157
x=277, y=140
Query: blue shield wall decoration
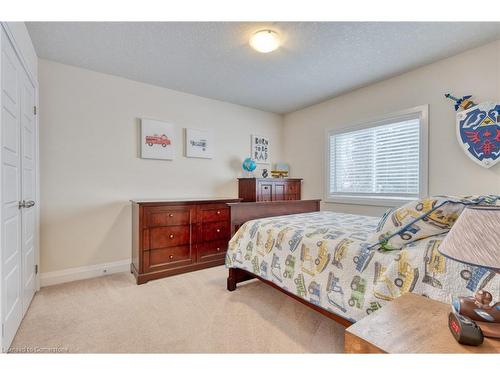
x=478, y=131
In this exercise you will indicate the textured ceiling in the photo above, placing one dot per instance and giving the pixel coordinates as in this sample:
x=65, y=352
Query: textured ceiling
x=318, y=60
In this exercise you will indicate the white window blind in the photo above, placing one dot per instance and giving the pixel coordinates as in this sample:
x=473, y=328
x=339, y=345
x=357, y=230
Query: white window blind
x=381, y=160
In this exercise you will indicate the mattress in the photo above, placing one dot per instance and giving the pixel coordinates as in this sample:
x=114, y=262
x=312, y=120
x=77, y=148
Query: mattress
x=324, y=258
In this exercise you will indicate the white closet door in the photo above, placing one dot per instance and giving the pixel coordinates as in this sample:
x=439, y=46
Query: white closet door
x=28, y=182
x=12, y=301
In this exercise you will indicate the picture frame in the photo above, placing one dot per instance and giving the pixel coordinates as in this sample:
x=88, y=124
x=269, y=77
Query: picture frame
x=260, y=149
x=157, y=140
x=199, y=143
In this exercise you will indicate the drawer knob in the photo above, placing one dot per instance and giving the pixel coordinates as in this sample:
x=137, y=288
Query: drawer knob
x=218, y=212
x=171, y=236
x=171, y=257
x=170, y=215
x=218, y=249
x=218, y=230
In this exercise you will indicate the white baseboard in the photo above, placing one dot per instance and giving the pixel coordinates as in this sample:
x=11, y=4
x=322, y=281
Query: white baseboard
x=81, y=273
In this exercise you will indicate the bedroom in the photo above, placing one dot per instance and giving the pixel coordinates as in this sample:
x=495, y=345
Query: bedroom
x=249, y=187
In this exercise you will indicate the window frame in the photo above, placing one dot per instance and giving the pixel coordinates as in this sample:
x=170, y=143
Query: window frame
x=381, y=199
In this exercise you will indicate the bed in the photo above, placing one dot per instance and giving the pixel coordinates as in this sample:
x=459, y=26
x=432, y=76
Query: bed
x=325, y=260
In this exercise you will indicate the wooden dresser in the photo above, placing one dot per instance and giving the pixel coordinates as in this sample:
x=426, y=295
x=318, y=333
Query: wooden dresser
x=176, y=236
x=269, y=189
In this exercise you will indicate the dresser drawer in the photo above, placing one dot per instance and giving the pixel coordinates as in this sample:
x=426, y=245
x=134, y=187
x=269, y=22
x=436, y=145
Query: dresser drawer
x=160, y=237
x=214, y=214
x=215, y=231
x=172, y=237
x=170, y=257
x=265, y=191
x=212, y=250
x=292, y=187
x=167, y=215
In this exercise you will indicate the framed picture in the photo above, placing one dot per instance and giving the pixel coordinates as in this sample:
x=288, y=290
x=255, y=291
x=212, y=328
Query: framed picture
x=260, y=149
x=157, y=140
x=199, y=143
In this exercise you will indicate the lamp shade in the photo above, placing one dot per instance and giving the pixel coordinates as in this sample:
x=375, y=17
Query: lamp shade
x=475, y=237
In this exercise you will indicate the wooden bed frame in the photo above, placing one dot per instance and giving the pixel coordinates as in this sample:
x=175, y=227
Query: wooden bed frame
x=243, y=212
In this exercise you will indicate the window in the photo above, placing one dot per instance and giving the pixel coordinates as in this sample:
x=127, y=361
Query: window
x=383, y=162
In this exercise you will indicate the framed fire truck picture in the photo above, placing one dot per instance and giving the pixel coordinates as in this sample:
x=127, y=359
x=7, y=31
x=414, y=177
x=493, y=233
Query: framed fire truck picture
x=157, y=140
x=199, y=143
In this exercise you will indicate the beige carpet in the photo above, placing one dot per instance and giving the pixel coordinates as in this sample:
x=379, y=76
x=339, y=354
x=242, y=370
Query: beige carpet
x=189, y=313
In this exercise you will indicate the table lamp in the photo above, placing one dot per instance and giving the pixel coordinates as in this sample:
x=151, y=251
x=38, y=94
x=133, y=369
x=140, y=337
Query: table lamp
x=475, y=240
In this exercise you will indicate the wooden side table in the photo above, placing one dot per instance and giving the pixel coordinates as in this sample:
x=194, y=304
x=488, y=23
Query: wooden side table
x=409, y=324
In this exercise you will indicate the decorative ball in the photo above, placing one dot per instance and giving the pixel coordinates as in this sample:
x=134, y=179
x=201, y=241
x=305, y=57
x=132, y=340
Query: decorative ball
x=249, y=165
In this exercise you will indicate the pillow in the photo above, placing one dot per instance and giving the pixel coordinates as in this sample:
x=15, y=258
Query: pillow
x=422, y=218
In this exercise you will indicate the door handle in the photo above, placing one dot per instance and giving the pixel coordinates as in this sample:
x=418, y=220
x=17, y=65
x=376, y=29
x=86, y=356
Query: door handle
x=26, y=204
x=29, y=204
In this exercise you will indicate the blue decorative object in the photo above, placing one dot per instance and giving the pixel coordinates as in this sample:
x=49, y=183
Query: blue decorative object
x=249, y=166
x=461, y=103
x=478, y=132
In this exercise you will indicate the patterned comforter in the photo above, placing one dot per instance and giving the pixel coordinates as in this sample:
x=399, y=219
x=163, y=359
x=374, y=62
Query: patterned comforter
x=324, y=258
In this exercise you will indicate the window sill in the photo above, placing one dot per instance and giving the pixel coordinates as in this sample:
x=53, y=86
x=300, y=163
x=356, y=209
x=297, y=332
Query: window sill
x=368, y=201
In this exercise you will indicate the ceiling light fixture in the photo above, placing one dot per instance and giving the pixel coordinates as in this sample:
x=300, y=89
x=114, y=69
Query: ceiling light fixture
x=265, y=41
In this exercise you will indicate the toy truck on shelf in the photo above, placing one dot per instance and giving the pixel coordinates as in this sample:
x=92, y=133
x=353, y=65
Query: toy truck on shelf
x=156, y=139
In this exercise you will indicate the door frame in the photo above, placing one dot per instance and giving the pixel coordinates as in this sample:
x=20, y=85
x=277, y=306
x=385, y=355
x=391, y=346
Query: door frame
x=10, y=35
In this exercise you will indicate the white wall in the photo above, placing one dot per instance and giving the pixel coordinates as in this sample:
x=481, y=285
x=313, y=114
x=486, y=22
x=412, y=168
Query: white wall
x=475, y=72
x=90, y=166
x=89, y=146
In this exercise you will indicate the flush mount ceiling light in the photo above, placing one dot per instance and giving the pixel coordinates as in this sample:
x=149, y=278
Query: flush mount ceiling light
x=265, y=41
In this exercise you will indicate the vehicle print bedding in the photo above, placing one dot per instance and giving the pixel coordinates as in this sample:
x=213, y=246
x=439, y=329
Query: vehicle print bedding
x=326, y=259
